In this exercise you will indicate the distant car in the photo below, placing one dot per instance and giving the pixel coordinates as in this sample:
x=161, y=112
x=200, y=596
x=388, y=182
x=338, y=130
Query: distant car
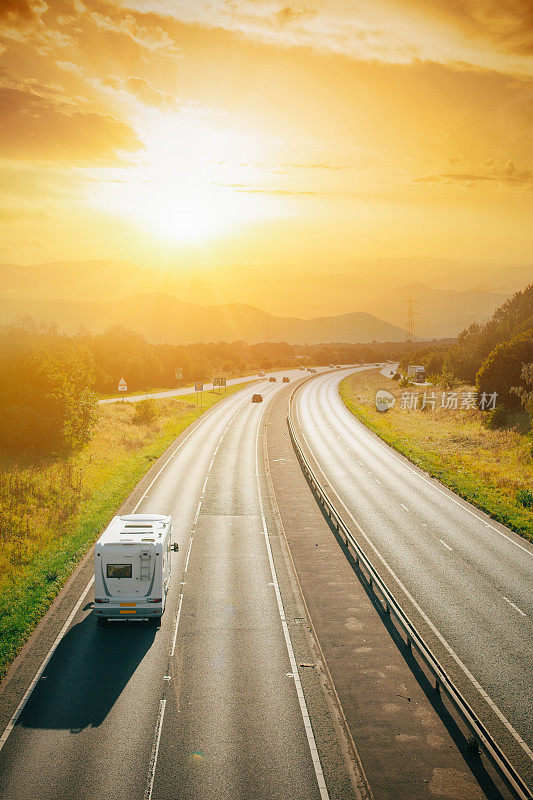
x=261, y=374
x=311, y=369
x=272, y=379
x=331, y=366
x=286, y=379
x=257, y=398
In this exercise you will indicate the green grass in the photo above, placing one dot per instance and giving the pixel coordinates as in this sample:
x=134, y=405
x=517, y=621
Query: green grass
x=53, y=511
x=492, y=469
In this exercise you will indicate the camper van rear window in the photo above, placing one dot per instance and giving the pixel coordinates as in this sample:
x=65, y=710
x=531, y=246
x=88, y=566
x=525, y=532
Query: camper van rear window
x=119, y=570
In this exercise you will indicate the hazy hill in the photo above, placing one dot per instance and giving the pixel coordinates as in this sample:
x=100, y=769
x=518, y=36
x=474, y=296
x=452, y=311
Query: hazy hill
x=163, y=318
x=377, y=287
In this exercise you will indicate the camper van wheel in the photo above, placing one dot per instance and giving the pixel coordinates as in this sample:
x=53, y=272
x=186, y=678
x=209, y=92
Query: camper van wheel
x=102, y=621
x=154, y=622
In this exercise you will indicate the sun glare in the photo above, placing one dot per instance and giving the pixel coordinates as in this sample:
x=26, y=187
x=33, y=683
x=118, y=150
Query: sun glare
x=190, y=183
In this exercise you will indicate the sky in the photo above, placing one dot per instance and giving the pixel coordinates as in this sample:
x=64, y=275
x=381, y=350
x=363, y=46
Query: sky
x=299, y=136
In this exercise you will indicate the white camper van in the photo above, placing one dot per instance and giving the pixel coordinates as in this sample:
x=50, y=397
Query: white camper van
x=132, y=567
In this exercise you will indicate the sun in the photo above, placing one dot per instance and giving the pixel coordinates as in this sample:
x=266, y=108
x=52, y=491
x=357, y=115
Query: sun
x=192, y=181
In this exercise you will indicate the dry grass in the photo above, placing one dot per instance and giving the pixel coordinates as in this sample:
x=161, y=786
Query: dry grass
x=487, y=467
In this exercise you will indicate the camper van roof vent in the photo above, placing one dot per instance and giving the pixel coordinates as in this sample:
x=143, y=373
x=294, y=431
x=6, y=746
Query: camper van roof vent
x=138, y=525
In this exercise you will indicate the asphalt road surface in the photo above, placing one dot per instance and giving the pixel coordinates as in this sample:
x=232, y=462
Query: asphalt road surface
x=208, y=705
x=465, y=579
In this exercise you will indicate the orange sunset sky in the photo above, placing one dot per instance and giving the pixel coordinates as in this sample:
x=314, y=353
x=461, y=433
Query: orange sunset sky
x=299, y=136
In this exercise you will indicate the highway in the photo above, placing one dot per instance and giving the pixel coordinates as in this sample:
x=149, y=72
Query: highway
x=210, y=704
x=465, y=580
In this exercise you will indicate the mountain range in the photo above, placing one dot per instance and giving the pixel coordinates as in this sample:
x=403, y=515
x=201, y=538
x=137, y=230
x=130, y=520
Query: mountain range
x=163, y=318
x=367, y=304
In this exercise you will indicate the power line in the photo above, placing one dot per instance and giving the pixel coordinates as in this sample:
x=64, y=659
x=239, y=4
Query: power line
x=410, y=323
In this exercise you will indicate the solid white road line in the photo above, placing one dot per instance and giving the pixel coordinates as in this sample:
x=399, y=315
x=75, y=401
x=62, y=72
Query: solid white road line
x=155, y=751
x=422, y=613
x=294, y=667
x=404, y=507
x=31, y=687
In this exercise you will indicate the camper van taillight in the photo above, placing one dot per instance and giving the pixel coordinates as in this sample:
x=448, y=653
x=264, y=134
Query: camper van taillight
x=154, y=600
x=101, y=600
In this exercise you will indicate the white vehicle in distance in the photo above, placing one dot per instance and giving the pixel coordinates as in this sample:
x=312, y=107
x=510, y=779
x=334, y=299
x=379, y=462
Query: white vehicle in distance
x=132, y=567
x=261, y=374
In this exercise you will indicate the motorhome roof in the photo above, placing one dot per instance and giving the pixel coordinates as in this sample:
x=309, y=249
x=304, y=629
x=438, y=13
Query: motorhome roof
x=133, y=528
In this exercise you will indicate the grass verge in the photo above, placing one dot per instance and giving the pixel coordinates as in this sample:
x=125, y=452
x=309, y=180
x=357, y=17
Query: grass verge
x=53, y=510
x=489, y=468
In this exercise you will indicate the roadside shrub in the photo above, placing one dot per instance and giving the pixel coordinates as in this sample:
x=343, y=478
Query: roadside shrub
x=404, y=381
x=145, y=412
x=503, y=418
x=497, y=419
x=525, y=497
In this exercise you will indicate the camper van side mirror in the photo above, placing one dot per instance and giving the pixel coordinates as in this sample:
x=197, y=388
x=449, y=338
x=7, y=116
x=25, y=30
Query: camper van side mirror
x=175, y=547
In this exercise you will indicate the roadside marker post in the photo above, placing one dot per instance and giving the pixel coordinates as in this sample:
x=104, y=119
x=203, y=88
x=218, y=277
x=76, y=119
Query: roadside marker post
x=219, y=382
x=198, y=387
x=122, y=387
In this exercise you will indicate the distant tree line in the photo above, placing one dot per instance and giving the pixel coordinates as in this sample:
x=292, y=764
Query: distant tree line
x=49, y=381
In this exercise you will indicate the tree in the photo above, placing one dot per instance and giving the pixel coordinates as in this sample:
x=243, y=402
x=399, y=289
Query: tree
x=502, y=370
x=525, y=393
x=46, y=395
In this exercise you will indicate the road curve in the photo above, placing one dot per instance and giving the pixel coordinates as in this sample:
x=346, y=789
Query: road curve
x=471, y=578
x=210, y=704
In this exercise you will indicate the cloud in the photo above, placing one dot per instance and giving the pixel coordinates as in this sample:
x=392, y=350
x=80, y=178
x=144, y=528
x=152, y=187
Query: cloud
x=507, y=174
x=153, y=38
x=508, y=24
x=13, y=11
x=42, y=128
x=289, y=14
x=141, y=89
x=244, y=189
x=18, y=18
x=491, y=34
